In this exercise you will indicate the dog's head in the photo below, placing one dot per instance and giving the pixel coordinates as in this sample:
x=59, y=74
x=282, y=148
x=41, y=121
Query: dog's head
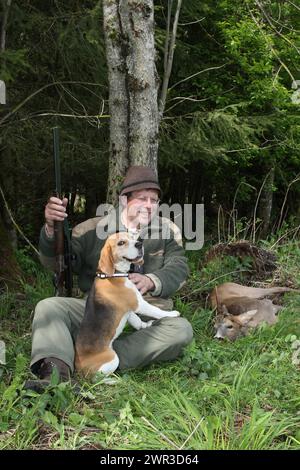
x=119, y=251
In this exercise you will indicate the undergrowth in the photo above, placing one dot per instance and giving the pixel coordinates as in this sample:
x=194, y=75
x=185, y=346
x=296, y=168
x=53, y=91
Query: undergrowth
x=217, y=395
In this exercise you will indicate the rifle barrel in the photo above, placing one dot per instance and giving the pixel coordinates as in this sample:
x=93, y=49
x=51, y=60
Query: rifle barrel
x=62, y=246
x=57, y=161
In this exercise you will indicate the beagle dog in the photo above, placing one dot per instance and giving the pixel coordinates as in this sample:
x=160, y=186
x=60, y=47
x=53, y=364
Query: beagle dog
x=112, y=301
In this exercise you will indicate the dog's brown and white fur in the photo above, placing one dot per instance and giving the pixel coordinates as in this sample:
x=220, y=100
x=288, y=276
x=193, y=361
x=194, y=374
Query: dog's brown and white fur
x=111, y=303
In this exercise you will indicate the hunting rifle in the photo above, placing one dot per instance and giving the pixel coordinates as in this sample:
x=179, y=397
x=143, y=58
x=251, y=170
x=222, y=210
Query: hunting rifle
x=63, y=280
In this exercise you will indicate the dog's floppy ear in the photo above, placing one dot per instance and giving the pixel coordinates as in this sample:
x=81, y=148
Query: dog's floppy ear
x=106, y=263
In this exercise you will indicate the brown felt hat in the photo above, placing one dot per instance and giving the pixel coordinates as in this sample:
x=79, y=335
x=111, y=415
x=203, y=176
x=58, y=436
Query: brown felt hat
x=139, y=177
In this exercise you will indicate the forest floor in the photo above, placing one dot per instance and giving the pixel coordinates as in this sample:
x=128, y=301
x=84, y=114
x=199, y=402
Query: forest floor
x=218, y=395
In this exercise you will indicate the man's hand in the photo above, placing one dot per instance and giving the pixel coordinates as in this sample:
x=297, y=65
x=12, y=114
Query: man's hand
x=142, y=282
x=55, y=210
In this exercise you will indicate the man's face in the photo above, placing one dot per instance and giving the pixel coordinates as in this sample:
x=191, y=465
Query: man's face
x=142, y=205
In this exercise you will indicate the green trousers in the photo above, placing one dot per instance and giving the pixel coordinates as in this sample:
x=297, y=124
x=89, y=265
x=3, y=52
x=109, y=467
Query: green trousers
x=57, y=320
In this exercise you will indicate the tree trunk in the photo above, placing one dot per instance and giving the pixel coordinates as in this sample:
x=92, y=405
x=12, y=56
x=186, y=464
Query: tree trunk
x=6, y=6
x=133, y=86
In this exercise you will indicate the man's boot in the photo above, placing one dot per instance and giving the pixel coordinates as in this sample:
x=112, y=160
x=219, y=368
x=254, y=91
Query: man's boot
x=44, y=373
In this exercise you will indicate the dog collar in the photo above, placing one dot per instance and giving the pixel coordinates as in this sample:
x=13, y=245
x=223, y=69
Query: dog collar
x=109, y=276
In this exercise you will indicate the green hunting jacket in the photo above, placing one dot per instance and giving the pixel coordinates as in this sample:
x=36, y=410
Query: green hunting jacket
x=164, y=259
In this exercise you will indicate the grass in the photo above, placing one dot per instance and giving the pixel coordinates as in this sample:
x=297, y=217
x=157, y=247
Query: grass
x=218, y=395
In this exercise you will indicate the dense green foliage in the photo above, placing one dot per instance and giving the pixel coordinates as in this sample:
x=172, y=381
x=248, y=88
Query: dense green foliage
x=229, y=110
x=238, y=119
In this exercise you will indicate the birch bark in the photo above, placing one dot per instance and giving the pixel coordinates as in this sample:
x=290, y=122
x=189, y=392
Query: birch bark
x=133, y=87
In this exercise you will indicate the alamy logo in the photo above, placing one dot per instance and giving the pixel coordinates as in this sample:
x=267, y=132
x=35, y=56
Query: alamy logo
x=2, y=92
x=2, y=352
x=183, y=216
x=296, y=352
x=296, y=95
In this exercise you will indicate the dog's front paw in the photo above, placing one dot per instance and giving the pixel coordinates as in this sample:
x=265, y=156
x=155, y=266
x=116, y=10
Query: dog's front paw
x=174, y=313
x=146, y=324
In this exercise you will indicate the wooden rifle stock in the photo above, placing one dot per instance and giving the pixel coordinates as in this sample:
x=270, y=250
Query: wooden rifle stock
x=59, y=279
